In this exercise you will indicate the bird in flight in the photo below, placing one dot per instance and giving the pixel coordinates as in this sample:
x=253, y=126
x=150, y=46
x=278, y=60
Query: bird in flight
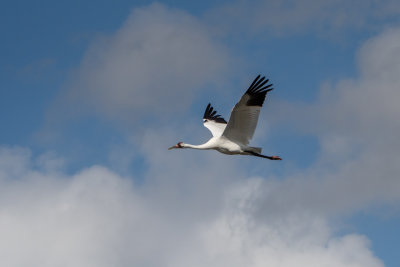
x=233, y=137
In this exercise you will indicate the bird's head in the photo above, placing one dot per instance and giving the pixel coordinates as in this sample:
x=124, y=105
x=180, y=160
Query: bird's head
x=178, y=145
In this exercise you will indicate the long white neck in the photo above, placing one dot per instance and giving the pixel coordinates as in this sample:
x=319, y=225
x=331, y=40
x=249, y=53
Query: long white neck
x=203, y=146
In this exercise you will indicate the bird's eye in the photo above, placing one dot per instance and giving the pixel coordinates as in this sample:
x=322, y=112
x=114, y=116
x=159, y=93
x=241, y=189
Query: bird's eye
x=205, y=120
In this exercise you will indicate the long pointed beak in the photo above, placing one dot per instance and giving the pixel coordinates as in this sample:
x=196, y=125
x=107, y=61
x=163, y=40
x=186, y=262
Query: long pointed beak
x=172, y=147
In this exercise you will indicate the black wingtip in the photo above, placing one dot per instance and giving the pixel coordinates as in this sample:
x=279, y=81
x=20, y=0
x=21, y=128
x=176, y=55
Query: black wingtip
x=211, y=114
x=255, y=80
x=258, y=91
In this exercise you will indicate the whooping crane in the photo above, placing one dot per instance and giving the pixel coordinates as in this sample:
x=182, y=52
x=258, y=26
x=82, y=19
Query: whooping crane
x=232, y=138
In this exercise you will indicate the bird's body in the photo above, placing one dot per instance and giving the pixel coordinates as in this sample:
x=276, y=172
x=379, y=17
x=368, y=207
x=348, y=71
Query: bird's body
x=221, y=144
x=233, y=137
x=224, y=145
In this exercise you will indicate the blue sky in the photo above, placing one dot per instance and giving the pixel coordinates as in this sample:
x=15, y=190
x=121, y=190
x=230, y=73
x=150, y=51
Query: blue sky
x=92, y=94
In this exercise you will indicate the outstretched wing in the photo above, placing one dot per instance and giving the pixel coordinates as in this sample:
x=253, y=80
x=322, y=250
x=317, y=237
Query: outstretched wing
x=244, y=116
x=215, y=123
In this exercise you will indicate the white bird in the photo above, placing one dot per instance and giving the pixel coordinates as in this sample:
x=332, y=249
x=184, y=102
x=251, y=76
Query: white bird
x=233, y=138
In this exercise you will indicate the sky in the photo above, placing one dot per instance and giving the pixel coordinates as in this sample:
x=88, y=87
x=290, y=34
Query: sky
x=93, y=93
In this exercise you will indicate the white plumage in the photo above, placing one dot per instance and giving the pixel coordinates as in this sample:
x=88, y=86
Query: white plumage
x=215, y=128
x=234, y=137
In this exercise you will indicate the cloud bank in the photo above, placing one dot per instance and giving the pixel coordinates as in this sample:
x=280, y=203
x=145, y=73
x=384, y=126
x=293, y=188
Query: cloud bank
x=98, y=218
x=154, y=64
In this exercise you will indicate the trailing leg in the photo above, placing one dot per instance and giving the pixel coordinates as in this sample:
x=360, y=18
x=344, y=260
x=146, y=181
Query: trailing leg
x=263, y=156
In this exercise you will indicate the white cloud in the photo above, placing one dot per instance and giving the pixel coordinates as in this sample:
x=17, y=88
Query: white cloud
x=97, y=218
x=366, y=107
x=155, y=63
x=364, y=111
x=288, y=240
x=293, y=16
x=356, y=122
